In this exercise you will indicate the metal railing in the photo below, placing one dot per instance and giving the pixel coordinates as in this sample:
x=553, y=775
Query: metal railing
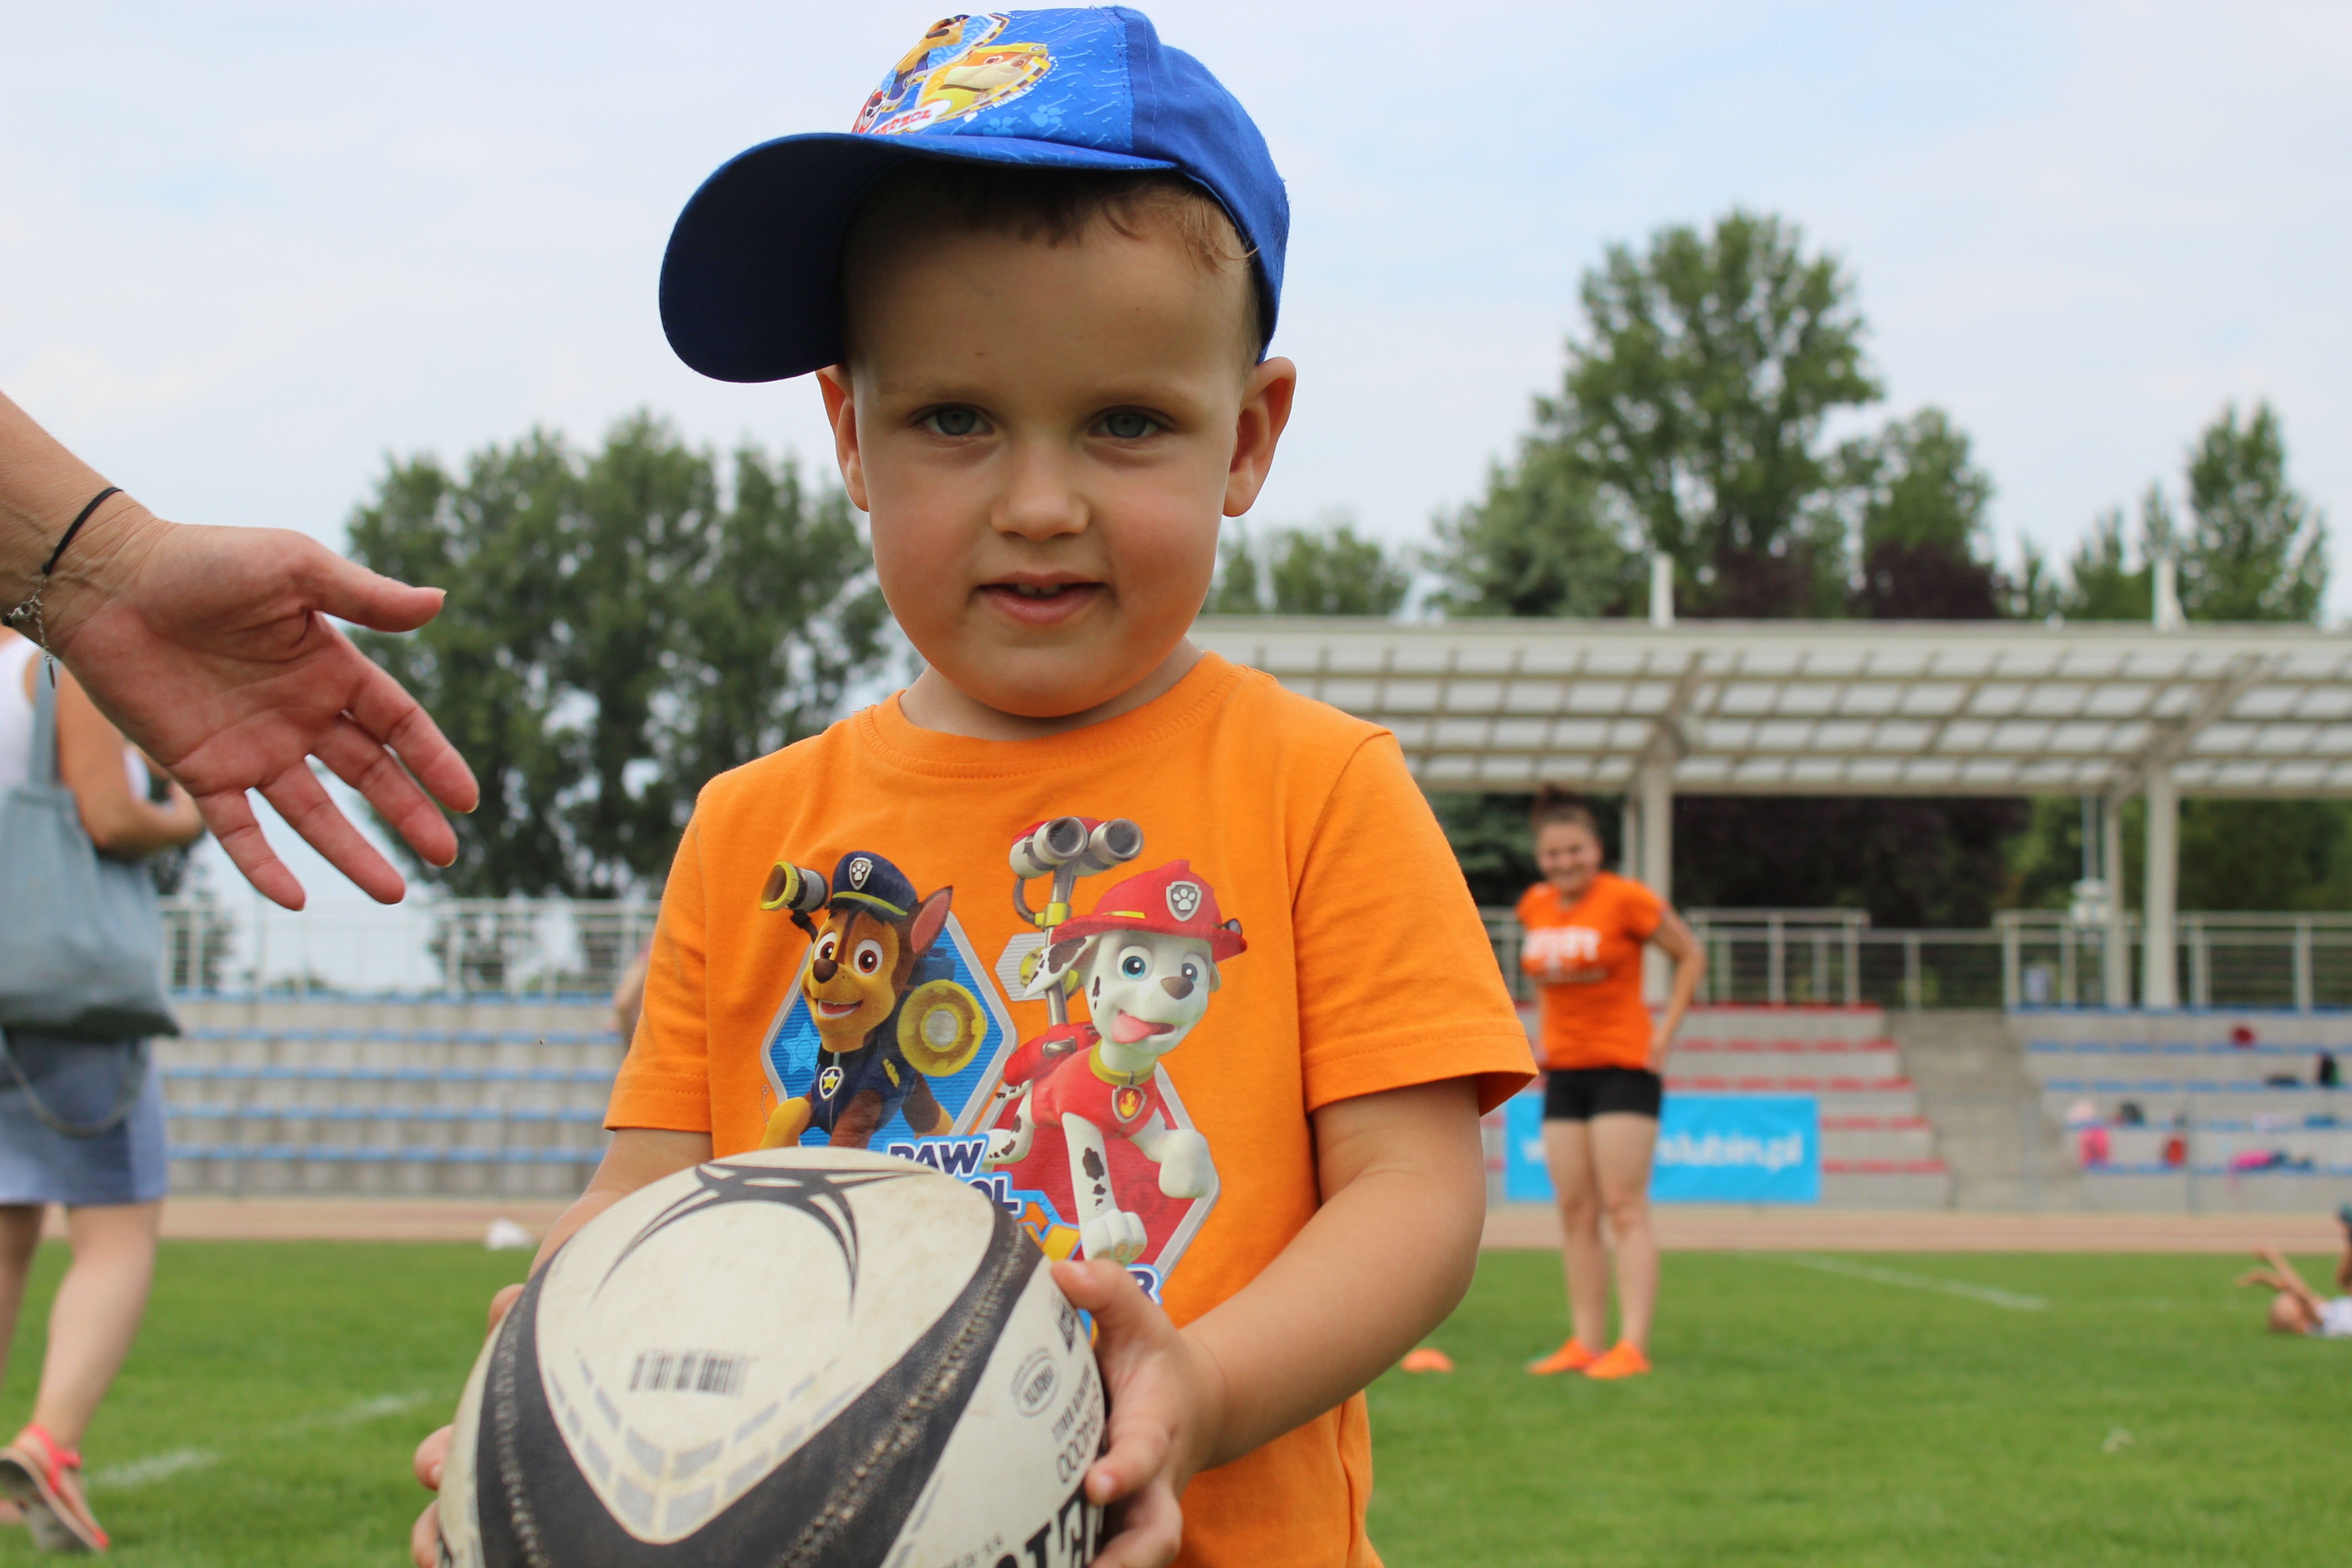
x=2300, y=962
x=474, y=947
x=1815, y=957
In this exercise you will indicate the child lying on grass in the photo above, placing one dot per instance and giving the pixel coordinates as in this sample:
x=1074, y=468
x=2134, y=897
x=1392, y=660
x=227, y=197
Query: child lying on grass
x=2297, y=1309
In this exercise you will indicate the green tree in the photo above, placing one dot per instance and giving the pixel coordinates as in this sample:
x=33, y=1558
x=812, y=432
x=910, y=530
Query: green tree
x=2251, y=550
x=1238, y=589
x=1539, y=543
x=1698, y=401
x=617, y=631
x=1689, y=421
x=2255, y=550
x=1322, y=570
x=1920, y=502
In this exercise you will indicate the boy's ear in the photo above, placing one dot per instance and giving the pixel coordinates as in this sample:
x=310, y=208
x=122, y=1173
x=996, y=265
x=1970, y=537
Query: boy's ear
x=833, y=384
x=1266, y=410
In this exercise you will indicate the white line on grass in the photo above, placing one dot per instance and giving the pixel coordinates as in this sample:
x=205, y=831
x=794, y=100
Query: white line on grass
x=1904, y=1279
x=376, y=1408
x=154, y=1468
x=159, y=1467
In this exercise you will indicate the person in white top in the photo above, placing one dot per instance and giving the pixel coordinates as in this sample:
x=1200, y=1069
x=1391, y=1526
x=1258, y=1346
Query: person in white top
x=110, y=1183
x=2297, y=1309
x=212, y=648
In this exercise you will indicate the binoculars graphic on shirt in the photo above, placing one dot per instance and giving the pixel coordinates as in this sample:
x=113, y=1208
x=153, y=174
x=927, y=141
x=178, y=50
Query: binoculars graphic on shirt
x=1074, y=847
x=795, y=888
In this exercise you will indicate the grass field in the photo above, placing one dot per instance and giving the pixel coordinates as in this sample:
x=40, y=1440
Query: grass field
x=1816, y=1410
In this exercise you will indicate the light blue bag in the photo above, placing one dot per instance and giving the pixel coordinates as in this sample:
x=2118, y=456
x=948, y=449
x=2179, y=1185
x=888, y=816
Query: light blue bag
x=81, y=936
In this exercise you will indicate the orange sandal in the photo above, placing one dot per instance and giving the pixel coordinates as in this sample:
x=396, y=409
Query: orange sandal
x=36, y=1484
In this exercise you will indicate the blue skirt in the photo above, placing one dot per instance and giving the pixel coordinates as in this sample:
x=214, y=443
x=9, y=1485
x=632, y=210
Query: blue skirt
x=79, y=1082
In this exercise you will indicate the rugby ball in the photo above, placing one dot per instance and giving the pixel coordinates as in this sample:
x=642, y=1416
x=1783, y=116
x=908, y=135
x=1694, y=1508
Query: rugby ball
x=821, y=1357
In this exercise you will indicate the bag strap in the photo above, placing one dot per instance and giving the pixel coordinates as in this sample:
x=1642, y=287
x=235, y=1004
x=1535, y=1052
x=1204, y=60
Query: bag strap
x=126, y=1099
x=43, y=769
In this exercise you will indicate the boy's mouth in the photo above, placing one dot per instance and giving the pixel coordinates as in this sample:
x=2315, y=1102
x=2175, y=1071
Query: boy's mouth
x=1038, y=604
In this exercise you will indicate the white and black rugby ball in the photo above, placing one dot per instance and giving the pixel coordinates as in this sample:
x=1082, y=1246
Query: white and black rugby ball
x=819, y=1358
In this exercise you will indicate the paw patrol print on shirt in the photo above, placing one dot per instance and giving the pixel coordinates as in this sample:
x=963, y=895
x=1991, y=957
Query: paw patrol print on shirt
x=889, y=1016
x=893, y=1037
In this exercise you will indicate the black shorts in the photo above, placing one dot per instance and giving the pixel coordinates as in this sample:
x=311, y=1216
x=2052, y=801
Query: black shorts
x=1580, y=1094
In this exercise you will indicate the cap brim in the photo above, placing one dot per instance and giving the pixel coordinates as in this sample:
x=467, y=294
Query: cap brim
x=749, y=285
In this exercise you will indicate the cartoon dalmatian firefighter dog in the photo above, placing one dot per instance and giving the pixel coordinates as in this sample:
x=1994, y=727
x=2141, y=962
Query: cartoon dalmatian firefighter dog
x=886, y=1015
x=1146, y=960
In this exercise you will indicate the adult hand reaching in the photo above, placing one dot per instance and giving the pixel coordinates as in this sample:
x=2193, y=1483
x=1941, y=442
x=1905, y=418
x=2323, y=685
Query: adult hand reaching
x=211, y=649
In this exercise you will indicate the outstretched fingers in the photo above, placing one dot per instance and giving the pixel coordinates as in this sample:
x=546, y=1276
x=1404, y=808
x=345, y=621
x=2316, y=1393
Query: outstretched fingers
x=229, y=815
x=350, y=592
x=380, y=708
x=304, y=803
x=363, y=762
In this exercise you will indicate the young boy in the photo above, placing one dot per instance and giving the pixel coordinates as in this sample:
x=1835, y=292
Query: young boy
x=1229, y=1036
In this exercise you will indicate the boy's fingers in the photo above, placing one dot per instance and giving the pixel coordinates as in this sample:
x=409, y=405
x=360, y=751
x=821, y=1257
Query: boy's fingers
x=1151, y=1532
x=1121, y=1311
x=1138, y=1451
x=430, y=1456
x=424, y=1537
x=501, y=1302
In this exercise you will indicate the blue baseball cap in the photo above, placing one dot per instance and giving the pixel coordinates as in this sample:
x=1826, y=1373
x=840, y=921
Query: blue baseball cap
x=749, y=285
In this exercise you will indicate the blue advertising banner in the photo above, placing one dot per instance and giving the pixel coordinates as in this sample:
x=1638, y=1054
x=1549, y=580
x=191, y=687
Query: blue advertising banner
x=1712, y=1149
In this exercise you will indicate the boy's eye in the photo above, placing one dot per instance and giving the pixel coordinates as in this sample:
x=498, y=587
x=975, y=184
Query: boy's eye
x=1128, y=426
x=953, y=421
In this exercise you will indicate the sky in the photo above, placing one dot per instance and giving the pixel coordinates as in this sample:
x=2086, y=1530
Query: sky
x=248, y=251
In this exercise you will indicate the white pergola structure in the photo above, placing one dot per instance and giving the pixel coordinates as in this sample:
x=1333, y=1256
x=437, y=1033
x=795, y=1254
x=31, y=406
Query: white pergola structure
x=1846, y=708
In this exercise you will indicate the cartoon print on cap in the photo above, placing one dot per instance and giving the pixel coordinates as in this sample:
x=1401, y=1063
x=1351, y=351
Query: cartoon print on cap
x=958, y=68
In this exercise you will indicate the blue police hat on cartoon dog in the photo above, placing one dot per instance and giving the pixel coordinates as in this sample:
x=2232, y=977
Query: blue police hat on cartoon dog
x=749, y=287
x=864, y=879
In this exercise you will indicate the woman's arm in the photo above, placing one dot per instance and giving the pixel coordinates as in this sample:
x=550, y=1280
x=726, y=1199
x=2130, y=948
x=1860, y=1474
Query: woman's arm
x=93, y=762
x=212, y=648
x=1676, y=941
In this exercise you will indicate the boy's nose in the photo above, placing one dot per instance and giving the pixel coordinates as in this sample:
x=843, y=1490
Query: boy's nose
x=1039, y=502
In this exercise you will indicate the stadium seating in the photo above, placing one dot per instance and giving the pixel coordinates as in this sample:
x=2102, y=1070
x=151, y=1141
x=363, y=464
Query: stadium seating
x=2236, y=1088
x=416, y=1096
x=1878, y=1148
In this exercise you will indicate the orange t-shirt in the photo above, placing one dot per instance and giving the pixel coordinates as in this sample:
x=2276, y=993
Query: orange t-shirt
x=1292, y=930
x=1587, y=957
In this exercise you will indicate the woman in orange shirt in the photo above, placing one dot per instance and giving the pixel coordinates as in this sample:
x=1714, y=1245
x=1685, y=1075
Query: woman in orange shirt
x=1585, y=929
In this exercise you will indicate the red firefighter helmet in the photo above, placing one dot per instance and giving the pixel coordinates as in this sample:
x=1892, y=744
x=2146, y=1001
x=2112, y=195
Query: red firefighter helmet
x=1169, y=901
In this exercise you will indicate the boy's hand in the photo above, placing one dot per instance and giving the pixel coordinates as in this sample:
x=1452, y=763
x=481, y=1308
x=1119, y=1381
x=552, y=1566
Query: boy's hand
x=424, y=1537
x=1167, y=1396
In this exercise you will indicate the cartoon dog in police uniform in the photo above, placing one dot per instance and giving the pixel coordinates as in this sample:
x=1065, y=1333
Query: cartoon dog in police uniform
x=1146, y=960
x=886, y=1013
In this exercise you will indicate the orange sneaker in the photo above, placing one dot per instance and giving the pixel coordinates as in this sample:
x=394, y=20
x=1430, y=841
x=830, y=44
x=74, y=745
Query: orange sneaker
x=1570, y=1357
x=1624, y=1360
x=1428, y=1358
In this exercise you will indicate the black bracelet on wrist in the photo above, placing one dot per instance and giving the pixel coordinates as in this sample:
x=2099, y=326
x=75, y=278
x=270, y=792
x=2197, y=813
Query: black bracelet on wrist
x=30, y=610
x=75, y=527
